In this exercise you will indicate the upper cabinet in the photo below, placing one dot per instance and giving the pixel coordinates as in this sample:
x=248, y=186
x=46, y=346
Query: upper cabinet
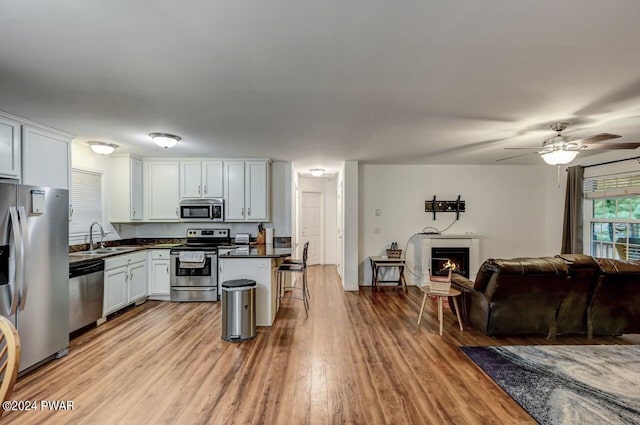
x=125, y=189
x=46, y=157
x=9, y=148
x=34, y=154
x=201, y=179
x=162, y=190
x=246, y=190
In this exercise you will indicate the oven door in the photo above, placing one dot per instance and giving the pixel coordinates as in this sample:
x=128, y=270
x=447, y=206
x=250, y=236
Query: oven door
x=194, y=284
x=206, y=275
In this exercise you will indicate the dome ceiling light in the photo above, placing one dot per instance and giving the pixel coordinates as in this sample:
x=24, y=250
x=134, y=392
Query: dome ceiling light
x=102, y=148
x=165, y=140
x=316, y=172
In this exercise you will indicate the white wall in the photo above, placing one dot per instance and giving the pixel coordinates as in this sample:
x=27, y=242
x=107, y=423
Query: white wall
x=353, y=245
x=327, y=187
x=516, y=209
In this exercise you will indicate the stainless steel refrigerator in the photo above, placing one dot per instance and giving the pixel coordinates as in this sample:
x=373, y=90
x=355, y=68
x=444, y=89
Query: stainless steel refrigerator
x=34, y=268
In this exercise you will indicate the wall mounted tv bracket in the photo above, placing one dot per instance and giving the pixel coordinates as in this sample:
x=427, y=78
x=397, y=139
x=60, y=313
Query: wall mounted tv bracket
x=435, y=206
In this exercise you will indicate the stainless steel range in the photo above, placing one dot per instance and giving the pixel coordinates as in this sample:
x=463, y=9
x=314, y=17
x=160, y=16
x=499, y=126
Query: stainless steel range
x=194, y=265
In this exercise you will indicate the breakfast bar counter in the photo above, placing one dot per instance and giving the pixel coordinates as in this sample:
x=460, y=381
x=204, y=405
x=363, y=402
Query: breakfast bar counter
x=257, y=251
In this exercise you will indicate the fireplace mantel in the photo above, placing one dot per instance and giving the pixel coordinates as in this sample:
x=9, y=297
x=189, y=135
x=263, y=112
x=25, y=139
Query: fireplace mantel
x=470, y=241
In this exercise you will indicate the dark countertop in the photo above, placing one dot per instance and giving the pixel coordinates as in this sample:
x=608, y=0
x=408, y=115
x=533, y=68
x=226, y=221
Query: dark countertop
x=258, y=251
x=81, y=258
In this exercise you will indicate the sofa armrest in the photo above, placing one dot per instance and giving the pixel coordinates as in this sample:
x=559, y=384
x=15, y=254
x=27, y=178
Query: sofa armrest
x=462, y=283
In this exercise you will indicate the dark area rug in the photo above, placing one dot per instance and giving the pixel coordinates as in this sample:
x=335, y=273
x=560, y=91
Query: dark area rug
x=564, y=384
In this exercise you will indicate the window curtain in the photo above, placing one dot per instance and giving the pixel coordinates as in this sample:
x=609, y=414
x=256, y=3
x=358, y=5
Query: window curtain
x=572, y=225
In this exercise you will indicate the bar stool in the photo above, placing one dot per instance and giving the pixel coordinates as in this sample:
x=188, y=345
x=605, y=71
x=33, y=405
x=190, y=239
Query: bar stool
x=294, y=267
x=299, y=261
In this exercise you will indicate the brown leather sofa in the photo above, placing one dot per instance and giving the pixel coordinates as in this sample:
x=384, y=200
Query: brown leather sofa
x=518, y=296
x=571, y=294
x=615, y=305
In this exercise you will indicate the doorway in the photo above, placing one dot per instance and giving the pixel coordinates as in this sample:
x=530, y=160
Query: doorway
x=311, y=225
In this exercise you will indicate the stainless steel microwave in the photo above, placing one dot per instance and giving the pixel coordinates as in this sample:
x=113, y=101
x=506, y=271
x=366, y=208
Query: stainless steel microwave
x=202, y=210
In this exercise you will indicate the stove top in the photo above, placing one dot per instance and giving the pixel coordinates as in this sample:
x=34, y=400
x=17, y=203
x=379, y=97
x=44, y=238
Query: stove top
x=205, y=240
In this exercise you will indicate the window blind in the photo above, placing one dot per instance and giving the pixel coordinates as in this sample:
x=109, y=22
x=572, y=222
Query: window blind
x=612, y=186
x=86, y=200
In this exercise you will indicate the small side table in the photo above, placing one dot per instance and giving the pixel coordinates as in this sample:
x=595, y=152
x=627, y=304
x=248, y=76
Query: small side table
x=453, y=293
x=379, y=262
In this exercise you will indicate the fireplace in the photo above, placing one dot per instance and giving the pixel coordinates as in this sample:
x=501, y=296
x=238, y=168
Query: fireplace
x=444, y=258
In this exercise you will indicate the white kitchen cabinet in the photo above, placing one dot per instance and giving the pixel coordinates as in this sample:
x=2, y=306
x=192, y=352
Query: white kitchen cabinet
x=9, y=148
x=137, y=280
x=162, y=190
x=125, y=280
x=246, y=190
x=159, y=265
x=115, y=290
x=201, y=179
x=125, y=189
x=263, y=271
x=46, y=157
x=256, y=185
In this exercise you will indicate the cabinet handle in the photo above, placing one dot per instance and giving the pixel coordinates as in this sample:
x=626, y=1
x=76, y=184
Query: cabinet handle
x=126, y=276
x=131, y=276
x=167, y=269
x=206, y=190
x=198, y=190
x=177, y=215
x=134, y=212
x=242, y=213
x=249, y=211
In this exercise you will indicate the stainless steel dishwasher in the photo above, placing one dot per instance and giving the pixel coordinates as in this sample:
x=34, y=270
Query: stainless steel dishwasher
x=86, y=294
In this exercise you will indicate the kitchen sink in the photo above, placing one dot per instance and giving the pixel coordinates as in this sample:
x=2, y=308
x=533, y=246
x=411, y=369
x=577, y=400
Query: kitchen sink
x=108, y=250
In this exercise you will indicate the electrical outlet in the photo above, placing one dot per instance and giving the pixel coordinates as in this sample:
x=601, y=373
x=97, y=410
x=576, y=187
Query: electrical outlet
x=377, y=212
x=376, y=230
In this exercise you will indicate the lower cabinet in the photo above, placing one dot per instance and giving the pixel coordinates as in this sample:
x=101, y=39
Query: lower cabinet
x=159, y=285
x=125, y=281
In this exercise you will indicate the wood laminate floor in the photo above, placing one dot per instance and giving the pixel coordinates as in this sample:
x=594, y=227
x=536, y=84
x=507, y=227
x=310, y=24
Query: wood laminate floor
x=359, y=358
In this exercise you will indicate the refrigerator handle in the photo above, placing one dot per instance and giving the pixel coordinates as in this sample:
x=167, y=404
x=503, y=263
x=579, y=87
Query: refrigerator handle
x=19, y=253
x=25, y=248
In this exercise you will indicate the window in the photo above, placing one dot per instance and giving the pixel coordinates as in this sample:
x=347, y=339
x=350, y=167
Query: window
x=86, y=200
x=615, y=228
x=612, y=216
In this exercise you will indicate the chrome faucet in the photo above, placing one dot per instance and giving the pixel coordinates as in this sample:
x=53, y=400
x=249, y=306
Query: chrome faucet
x=91, y=233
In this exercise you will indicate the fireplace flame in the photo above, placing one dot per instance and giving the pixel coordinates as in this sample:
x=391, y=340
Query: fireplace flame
x=451, y=265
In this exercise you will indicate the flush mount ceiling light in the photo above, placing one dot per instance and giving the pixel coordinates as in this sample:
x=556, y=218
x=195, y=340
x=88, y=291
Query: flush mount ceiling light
x=102, y=148
x=165, y=140
x=316, y=172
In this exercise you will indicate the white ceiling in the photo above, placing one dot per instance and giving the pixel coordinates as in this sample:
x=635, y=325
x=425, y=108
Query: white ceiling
x=324, y=80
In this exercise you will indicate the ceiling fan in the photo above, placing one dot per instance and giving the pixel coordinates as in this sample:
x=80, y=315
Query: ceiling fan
x=561, y=149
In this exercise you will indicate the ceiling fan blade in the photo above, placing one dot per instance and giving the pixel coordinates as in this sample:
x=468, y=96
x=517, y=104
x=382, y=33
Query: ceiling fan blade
x=515, y=156
x=521, y=149
x=612, y=146
x=596, y=139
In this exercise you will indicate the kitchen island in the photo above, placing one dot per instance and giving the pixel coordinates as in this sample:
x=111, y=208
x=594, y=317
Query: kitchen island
x=259, y=263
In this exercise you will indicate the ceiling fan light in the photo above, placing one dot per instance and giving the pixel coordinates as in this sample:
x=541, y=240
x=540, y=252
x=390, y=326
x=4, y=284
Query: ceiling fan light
x=559, y=157
x=103, y=148
x=165, y=140
x=316, y=172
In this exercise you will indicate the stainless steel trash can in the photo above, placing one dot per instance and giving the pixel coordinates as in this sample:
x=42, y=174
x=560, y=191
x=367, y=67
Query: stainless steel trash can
x=238, y=310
